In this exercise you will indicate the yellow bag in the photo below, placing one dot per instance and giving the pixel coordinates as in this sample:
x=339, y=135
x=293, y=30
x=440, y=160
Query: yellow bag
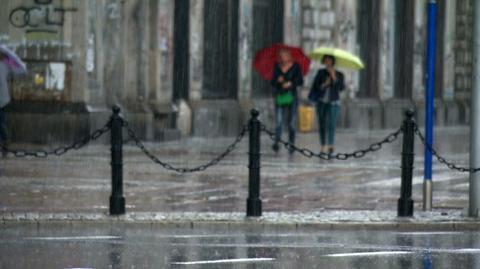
x=305, y=118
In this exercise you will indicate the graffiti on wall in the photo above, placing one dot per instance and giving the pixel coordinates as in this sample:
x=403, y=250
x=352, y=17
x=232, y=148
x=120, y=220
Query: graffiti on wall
x=42, y=17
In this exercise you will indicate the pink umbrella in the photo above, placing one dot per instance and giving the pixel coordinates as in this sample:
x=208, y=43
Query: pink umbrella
x=17, y=65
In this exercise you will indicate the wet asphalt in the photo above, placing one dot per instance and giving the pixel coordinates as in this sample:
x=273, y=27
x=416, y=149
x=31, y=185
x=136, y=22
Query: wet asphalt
x=157, y=246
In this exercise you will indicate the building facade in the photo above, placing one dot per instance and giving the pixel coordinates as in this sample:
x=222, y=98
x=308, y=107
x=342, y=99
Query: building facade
x=184, y=67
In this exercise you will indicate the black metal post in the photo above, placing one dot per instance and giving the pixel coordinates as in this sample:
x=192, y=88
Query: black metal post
x=254, y=203
x=405, y=203
x=117, y=201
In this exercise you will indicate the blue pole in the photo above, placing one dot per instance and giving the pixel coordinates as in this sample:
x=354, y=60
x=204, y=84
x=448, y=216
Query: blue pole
x=429, y=99
x=427, y=260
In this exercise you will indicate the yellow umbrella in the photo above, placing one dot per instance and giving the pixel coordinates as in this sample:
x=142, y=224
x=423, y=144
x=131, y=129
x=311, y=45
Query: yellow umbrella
x=343, y=58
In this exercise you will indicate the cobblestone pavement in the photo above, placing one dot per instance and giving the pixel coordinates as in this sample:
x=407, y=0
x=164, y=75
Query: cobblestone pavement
x=80, y=181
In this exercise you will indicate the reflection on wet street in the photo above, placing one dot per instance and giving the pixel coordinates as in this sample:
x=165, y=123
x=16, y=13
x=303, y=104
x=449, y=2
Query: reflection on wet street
x=91, y=245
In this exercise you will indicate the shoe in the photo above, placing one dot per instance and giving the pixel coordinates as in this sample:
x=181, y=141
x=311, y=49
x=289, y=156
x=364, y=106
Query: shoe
x=323, y=149
x=275, y=147
x=330, y=152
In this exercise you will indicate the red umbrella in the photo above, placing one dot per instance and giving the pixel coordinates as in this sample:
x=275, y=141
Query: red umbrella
x=266, y=58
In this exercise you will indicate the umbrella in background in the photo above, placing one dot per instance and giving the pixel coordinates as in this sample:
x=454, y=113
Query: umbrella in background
x=266, y=58
x=17, y=65
x=343, y=58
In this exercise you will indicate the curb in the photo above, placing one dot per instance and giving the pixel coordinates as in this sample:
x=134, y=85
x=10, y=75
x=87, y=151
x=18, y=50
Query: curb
x=327, y=220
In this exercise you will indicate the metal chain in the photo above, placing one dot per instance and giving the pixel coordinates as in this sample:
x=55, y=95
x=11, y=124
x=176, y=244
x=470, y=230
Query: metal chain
x=133, y=137
x=20, y=153
x=441, y=159
x=338, y=156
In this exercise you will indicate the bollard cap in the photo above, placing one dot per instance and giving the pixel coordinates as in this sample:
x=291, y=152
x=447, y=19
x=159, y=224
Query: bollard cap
x=254, y=113
x=409, y=113
x=116, y=109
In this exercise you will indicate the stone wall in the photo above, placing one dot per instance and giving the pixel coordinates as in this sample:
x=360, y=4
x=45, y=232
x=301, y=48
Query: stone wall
x=332, y=24
x=121, y=52
x=116, y=52
x=464, y=49
x=318, y=23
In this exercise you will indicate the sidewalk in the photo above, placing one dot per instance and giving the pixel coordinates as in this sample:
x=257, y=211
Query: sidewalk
x=331, y=219
x=295, y=189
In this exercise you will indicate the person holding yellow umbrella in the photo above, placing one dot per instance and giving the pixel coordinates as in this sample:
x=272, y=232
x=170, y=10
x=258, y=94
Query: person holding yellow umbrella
x=326, y=88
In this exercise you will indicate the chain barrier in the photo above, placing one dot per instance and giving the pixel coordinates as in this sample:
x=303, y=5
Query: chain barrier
x=441, y=159
x=60, y=150
x=338, y=156
x=133, y=137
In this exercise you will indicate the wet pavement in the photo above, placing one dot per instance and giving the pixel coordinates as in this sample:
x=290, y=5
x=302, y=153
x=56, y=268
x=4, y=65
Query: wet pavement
x=221, y=246
x=317, y=214
x=80, y=181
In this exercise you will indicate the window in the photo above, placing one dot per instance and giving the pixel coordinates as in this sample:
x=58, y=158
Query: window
x=45, y=80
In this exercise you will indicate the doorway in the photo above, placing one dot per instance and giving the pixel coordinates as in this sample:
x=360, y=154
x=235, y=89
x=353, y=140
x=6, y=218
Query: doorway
x=181, y=50
x=267, y=30
x=220, y=54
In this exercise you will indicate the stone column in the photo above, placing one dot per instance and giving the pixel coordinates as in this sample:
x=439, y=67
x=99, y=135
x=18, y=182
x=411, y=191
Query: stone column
x=79, y=27
x=452, y=108
x=143, y=52
x=161, y=51
x=95, y=50
x=292, y=22
x=449, y=51
x=387, y=82
x=245, y=51
x=196, y=49
x=112, y=55
x=344, y=35
x=420, y=33
x=131, y=60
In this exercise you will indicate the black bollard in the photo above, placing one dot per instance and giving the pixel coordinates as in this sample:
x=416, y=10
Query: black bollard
x=254, y=203
x=117, y=201
x=405, y=203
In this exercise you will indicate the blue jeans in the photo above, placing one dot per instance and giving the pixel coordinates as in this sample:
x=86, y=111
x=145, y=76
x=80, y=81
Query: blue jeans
x=290, y=112
x=3, y=127
x=327, y=121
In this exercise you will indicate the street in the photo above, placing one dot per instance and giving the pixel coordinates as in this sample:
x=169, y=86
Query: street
x=60, y=245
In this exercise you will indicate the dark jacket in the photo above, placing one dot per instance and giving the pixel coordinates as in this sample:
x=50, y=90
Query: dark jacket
x=317, y=93
x=294, y=75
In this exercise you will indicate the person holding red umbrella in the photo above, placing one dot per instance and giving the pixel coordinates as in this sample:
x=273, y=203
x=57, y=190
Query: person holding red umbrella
x=284, y=66
x=287, y=76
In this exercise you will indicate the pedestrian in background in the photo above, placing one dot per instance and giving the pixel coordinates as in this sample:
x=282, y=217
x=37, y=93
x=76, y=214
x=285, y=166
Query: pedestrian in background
x=9, y=67
x=326, y=88
x=287, y=76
